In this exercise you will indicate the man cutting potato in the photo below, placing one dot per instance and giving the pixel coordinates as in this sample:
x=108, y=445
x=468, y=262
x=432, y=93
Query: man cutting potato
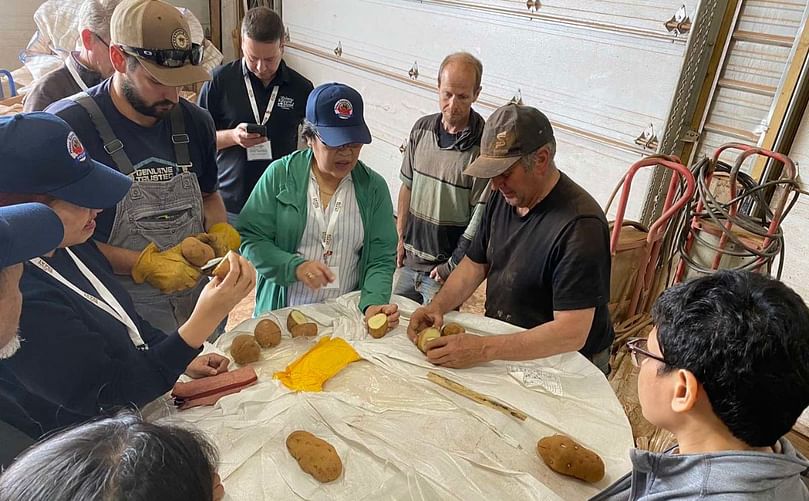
x=137, y=122
x=543, y=246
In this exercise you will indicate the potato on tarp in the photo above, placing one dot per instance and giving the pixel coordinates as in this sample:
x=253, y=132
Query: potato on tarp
x=296, y=317
x=315, y=456
x=267, y=333
x=245, y=349
x=566, y=456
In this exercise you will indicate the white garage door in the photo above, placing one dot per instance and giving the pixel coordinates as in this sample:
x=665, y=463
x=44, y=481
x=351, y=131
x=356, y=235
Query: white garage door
x=603, y=71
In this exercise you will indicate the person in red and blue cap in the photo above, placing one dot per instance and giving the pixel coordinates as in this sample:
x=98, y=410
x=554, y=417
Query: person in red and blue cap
x=319, y=222
x=87, y=351
x=26, y=231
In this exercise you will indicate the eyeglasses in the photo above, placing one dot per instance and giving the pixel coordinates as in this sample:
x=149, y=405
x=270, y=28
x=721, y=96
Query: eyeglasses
x=170, y=58
x=107, y=44
x=639, y=352
x=351, y=146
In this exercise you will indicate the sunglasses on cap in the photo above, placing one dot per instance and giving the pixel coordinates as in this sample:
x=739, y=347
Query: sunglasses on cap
x=170, y=58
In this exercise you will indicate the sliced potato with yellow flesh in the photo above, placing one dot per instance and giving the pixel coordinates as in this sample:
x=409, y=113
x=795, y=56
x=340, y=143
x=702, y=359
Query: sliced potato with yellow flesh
x=296, y=317
x=426, y=336
x=378, y=325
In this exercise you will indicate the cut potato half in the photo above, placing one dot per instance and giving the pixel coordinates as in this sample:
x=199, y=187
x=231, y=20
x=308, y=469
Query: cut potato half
x=378, y=325
x=426, y=336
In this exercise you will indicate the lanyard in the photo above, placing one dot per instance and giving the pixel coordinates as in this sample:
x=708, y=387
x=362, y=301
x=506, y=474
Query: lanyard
x=252, y=98
x=70, y=63
x=108, y=303
x=326, y=231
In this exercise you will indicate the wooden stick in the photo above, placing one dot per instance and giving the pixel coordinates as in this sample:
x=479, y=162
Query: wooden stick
x=477, y=397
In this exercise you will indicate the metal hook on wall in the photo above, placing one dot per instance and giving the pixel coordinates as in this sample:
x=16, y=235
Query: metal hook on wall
x=648, y=138
x=338, y=51
x=414, y=71
x=679, y=23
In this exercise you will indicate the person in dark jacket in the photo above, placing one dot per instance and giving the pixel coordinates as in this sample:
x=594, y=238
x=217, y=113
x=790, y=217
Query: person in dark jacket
x=86, y=351
x=26, y=231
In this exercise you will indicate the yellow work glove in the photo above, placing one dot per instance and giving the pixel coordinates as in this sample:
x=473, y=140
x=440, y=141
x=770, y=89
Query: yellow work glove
x=318, y=365
x=222, y=237
x=168, y=271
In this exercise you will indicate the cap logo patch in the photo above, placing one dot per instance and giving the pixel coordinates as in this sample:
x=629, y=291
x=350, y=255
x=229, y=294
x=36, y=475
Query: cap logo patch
x=503, y=140
x=343, y=109
x=75, y=148
x=179, y=39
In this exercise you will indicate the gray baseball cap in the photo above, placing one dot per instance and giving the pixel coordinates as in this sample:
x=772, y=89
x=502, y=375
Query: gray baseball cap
x=511, y=132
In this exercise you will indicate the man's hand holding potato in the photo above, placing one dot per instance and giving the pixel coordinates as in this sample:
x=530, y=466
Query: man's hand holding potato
x=423, y=317
x=459, y=351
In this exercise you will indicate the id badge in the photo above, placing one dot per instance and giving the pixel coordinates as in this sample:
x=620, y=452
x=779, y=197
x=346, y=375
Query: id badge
x=336, y=284
x=262, y=151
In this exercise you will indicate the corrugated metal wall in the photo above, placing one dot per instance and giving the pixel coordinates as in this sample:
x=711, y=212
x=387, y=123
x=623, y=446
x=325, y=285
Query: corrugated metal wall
x=603, y=71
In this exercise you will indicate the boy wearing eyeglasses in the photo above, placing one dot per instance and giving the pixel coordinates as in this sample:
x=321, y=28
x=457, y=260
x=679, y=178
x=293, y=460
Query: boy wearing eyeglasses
x=137, y=122
x=726, y=370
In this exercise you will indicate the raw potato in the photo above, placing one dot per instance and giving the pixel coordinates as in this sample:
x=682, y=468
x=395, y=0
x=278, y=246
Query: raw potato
x=315, y=456
x=196, y=252
x=426, y=336
x=309, y=329
x=451, y=329
x=223, y=268
x=267, y=333
x=566, y=456
x=219, y=247
x=296, y=317
x=378, y=325
x=245, y=349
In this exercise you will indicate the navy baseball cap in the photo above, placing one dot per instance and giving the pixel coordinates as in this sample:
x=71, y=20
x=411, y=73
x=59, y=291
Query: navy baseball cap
x=27, y=231
x=42, y=155
x=336, y=111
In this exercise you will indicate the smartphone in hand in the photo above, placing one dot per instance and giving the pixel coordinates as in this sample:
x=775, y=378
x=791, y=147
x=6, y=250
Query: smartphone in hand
x=257, y=129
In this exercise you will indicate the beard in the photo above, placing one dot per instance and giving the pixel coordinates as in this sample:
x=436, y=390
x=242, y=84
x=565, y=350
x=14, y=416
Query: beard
x=10, y=348
x=150, y=110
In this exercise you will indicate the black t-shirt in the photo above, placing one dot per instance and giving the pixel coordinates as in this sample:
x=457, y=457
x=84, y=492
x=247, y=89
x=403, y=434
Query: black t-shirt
x=149, y=148
x=556, y=257
x=225, y=97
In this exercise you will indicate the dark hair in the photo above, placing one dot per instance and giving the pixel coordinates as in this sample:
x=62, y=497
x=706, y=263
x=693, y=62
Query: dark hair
x=116, y=458
x=308, y=130
x=465, y=58
x=262, y=24
x=745, y=337
x=7, y=198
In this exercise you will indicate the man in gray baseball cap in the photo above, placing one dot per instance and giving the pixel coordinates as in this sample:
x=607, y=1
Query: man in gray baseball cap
x=543, y=246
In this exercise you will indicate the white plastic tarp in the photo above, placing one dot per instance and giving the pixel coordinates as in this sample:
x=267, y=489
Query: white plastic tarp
x=399, y=435
x=57, y=35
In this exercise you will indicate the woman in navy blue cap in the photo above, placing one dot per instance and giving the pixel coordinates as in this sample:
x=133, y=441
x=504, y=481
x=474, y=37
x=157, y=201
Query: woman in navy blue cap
x=85, y=349
x=319, y=222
